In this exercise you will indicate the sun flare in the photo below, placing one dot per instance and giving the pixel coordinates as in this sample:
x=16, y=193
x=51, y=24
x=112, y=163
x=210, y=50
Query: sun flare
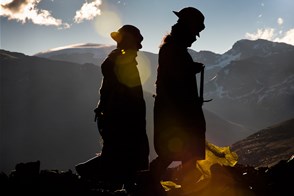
x=107, y=22
x=144, y=67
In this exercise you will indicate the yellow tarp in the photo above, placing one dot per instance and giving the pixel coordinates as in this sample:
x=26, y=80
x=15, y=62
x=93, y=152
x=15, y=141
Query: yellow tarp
x=214, y=155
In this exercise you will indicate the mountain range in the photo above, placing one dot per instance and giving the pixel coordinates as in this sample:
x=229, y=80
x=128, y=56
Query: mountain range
x=251, y=84
x=47, y=99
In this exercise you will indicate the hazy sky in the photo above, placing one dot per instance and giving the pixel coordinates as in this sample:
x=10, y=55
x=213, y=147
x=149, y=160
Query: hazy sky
x=32, y=26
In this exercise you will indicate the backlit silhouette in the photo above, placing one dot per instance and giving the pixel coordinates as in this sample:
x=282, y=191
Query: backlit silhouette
x=179, y=123
x=120, y=114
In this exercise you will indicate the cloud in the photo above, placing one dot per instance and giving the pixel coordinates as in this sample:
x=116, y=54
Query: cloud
x=26, y=10
x=270, y=34
x=261, y=34
x=287, y=37
x=88, y=11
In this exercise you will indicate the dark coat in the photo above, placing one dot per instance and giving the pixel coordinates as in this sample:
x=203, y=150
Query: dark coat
x=124, y=112
x=179, y=123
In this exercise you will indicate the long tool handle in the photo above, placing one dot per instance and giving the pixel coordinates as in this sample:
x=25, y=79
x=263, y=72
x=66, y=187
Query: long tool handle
x=202, y=87
x=201, y=84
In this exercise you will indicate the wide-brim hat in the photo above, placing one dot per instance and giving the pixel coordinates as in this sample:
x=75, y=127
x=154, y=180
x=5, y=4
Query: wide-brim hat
x=126, y=31
x=192, y=16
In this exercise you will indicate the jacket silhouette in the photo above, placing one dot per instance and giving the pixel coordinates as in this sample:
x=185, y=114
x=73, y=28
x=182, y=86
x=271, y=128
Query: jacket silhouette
x=179, y=123
x=121, y=112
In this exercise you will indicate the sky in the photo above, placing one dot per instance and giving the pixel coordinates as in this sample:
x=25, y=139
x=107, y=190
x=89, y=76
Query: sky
x=32, y=26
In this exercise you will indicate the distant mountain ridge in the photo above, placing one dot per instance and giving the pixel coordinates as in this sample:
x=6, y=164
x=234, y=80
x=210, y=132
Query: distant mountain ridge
x=49, y=99
x=254, y=79
x=259, y=83
x=47, y=112
x=242, y=49
x=79, y=53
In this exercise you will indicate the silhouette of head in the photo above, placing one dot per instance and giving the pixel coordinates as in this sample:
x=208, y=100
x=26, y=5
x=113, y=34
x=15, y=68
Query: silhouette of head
x=192, y=18
x=128, y=37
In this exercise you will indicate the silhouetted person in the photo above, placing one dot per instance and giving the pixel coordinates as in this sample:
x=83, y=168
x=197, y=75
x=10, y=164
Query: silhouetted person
x=120, y=113
x=179, y=123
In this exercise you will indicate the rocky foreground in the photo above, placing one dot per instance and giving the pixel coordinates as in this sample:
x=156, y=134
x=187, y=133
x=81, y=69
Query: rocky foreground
x=27, y=178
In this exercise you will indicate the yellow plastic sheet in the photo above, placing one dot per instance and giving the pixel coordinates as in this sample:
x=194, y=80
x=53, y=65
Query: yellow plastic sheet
x=214, y=155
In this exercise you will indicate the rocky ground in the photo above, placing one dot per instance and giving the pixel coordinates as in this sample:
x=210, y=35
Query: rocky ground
x=27, y=178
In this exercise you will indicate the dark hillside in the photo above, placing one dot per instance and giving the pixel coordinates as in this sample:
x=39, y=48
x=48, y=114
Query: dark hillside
x=47, y=111
x=268, y=146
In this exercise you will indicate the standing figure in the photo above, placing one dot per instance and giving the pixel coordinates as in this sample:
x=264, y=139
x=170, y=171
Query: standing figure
x=120, y=113
x=179, y=123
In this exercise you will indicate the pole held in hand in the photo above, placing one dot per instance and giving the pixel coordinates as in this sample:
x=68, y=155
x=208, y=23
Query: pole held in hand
x=202, y=87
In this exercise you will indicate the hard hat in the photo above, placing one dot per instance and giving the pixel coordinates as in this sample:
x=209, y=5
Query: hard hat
x=190, y=14
x=127, y=31
x=193, y=17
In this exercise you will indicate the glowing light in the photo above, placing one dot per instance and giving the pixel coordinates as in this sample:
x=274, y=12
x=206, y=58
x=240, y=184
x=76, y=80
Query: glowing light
x=144, y=67
x=125, y=70
x=106, y=23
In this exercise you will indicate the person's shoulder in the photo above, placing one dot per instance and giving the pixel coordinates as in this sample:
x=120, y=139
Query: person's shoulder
x=112, y=56
x=110, y=59
x=169, y=47
x=114, y=53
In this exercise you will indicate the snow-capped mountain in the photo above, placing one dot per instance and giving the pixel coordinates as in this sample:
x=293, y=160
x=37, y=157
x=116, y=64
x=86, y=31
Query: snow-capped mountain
x=46, y=100
x=251, y=84
x=46, y=110
x=241, y=50
x=257, y=88
x=79, y=53
x=96, y=53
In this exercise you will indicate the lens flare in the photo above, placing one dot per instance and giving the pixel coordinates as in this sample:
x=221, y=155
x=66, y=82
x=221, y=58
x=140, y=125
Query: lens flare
x=144, y=67
x=107, y=22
